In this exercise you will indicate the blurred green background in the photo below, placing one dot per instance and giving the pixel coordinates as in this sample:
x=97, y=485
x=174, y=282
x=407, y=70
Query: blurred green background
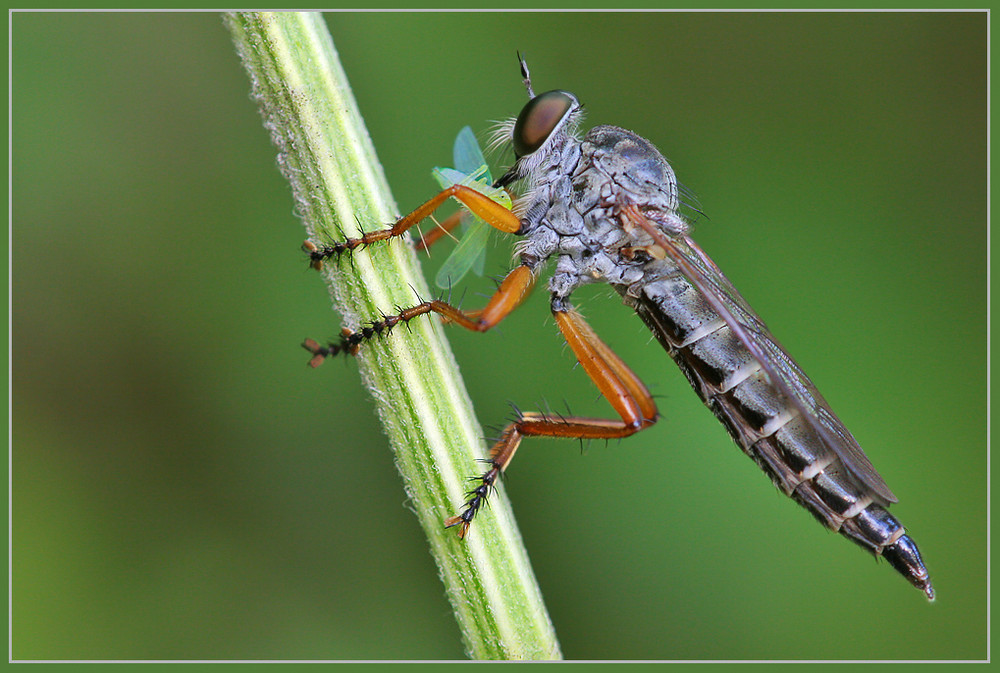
x=185, y=487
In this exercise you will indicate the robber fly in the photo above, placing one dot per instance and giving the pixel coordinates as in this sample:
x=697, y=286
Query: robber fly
x=606, y=207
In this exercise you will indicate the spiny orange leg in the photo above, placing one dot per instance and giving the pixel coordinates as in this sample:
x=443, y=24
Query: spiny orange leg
x=512, y=291
x=617, y=383
x=489, y=210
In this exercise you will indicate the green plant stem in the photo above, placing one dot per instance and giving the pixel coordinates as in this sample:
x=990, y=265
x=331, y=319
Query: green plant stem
x=327, y=156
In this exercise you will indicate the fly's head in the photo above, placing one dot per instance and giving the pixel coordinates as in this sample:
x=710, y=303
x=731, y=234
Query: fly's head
x=539, y=134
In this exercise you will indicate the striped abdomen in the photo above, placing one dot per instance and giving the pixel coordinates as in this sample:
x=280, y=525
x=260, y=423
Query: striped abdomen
x=776, y=434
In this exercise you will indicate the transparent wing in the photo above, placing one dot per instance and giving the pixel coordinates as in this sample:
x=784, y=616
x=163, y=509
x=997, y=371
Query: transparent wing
x=469, y=159
x=466, y=153
x=470, y=170
x=470, y=253
x=783, y=372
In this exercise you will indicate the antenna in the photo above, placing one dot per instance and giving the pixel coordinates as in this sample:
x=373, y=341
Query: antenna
x=526, y=75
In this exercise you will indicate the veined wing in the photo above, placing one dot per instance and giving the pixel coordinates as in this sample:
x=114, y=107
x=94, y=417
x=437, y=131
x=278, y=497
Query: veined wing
x=783, y=372
x=470, y=170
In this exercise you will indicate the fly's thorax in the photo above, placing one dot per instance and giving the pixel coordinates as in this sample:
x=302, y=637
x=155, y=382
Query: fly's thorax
x=627, y=165
x=545, y=182
x=572, y=209
x=595, y=247
x=545, y=206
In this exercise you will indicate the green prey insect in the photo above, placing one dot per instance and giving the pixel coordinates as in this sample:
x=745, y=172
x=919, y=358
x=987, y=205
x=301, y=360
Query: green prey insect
x=470, y=169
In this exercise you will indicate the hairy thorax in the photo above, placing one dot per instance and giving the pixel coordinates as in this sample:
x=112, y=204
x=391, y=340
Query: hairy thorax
x=572, y=212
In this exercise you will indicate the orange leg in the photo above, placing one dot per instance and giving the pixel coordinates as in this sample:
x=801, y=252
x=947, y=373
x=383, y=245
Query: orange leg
x=492, y=212
x=617, y=383
x=514, y=288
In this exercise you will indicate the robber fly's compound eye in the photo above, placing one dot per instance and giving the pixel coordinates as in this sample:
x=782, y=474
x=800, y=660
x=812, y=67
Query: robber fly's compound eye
x=540, y=117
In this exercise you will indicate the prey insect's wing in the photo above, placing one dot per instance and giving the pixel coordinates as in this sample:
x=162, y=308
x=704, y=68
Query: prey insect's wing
x=469, y=254
x=466, y=153
x=780, y=368
x=471, y=170
x=470, y=250
x=468, y=157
